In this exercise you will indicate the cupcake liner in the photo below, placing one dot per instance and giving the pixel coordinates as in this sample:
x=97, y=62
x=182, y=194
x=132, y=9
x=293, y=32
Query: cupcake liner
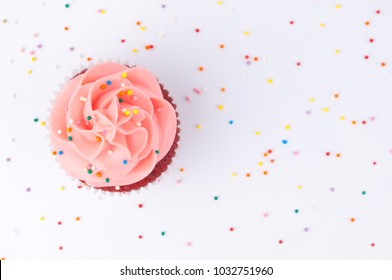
x=160, y=168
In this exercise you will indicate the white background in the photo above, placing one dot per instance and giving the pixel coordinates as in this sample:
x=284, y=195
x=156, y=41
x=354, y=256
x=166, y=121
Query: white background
x=328, y=38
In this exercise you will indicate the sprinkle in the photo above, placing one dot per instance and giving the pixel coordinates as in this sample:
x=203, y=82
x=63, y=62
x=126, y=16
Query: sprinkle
x=70, y=138
x=280, y=242
x=29, y=71
x=120, y=100
x=363, y=192
x=198, y=126
x=136, y=111
x=216, y=197
x=257, y=133
x=66, y=28
x=110, y=152
x=103, y=86
x=287, y=126
x=201, y=68
x=88, y=118
x=296, y=211
x=108, y=83
x=157, y=152
x=352, y=220
x=231, y=229
x=338, y=6
x=248, y=175
x=270, y=81
x=127, y=112
x=284, y=142
x=67, y=5
x=77, y=219
x=60, y=153
x=69, y=129
x=98, y=174
x=62, y=188
x=220, y=107
x=124, y=161
x=122, y=40
x=36, y=120
x=299, y=187
x=140, y=236
x=231, y=121
x=129, y=92
x=61, y=248
x=117, y=188
x=260, y=163
x=221, y=46
x=197, y=30
x=124, y=74
x=89, y=171
x=163, y=233
x=42, y=218
x=33, y=58
x=107, y=180
x=371, y=40
x=246, y=33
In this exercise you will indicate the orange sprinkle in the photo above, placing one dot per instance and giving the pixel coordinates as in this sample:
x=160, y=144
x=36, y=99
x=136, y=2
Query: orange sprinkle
x=77, y=218
x=352, y=220
x=138, y=23
x=265, y=172
x=223, y=89
x=367, y=23
x=221, y=46
x=383, y=64
x=103, y=86
x=98, y=174
x=255, y=58
x=98, y=139
x=66, y=28
x=3, y=259
x=266, y=154
x=54, y=153
x=336, y=95
x=247, y=174
x=121, y=93
x=354, y=122
x=69, y=129
x=89, y=58
x=337, y=155
x=182, y=169
x=201, y=68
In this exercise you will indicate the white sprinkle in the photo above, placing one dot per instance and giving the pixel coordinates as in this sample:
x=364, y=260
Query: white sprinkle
x=117, y=188
x=122, y=85
x=92, y=167
x=110, y=152
x=71, y=121
x=123, y=110
x=83, y=99
x=59, y=131
x=139, y=124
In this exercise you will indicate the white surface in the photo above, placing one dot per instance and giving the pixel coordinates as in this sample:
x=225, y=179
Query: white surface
x=260, y=208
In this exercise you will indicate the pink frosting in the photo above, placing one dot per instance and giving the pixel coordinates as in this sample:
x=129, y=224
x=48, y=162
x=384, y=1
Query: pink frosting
x=111, y=125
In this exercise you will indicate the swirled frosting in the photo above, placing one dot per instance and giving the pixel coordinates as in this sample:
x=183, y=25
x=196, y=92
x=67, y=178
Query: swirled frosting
x=111, y=125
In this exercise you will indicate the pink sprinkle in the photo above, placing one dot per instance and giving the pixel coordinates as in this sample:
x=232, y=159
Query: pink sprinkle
x=187, y=98
x=296, y=153
x=196, y=90
x=189, y=244
x=266, y=215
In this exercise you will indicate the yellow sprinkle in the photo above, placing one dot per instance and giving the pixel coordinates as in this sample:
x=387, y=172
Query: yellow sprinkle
x=246, y=33
x=257, y=133
x=129, y=92
x=312, y=99
x=260, y=163
x=234, y=174
x=322, y=24
x=29, y=71
x=136, y=111
x=299, y=187
x=142, y=28
x=337, y=51
x=198, y=126
x=342, y=118
x=287, y=126
x=269, y=81
x=127, y=112
x=124, y=74
x=220, y=2
x=42, y=218
x=134, y=50
x=43, y=123
x=326, y=110
x=338, y=6
x=98, y=139
x=220, y=107
x=62, y=188
x=33, y=58
x=103, y=11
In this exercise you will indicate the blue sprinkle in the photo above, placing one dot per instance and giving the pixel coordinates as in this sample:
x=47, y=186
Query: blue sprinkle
x=231, y=121
x=108, y=83
x=60, y=153
x=125, y=161
x=284, y=142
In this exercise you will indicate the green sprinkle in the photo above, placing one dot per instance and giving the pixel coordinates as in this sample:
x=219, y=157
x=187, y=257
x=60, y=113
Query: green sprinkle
x=163, y=233
x=363, y=192
x=67, y=5
x=70, y=138
x=89, y=171
x=36, y=120
x=88, y=118
x=120, y=100
x=296, y=211
x=157, y=151
x=216, y=197
x=107, y=180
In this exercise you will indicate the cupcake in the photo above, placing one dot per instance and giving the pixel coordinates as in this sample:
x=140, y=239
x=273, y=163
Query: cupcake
x=114, y=127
